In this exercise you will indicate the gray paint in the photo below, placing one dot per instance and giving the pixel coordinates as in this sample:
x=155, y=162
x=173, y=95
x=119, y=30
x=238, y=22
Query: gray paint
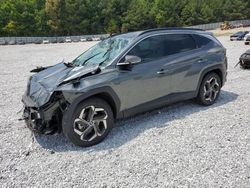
x=178, y=74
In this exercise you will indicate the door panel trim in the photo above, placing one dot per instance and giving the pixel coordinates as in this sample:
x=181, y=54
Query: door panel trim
x=160, y=102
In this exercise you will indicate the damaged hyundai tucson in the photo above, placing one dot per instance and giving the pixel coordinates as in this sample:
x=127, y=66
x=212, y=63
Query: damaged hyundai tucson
x=121, y=76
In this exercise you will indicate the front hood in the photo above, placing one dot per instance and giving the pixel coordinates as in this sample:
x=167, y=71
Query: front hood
x=41, y=85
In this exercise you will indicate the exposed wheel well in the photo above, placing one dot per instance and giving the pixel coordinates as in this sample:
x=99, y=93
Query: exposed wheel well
x=217, y=71
x=106, y=97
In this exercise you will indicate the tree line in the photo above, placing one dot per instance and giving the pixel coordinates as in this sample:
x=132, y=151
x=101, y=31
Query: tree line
x=78, y=17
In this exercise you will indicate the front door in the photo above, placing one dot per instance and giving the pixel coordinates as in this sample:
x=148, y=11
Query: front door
x=148, y=80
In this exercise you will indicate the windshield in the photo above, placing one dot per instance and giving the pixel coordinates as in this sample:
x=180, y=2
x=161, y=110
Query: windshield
x=105, y=51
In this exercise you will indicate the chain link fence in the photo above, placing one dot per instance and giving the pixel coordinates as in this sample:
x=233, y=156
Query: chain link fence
x=39, y=40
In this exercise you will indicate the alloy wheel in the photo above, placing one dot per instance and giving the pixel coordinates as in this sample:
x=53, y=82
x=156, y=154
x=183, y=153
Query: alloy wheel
x=211, y=89
x=91, y=123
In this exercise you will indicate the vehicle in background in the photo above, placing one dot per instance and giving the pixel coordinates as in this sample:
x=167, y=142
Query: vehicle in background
x=3, y=42
x=239, y=35
x=245, y=60
x=247, y=41
x=89, y=39
x=38, y=41
x=12, y=42
x=68, y=40
x=226, y=26
x=82, y=98
x=75, y=39
x=20, y=42
x=83, y=39
x=53, y=40
x=246, y=36
x=102, y=38
x=96, y=39
x=45, y=41
x=60, y=40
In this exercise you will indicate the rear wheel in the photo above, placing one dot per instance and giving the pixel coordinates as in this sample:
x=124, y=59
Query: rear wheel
x=209, y=90
x=89, y=123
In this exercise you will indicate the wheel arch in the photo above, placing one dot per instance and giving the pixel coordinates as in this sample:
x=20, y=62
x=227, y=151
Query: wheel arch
x=218, y=69
x=105, y=93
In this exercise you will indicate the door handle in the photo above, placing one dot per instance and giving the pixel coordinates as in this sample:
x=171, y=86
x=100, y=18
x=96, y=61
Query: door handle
x=162, y=71
x=201, y=61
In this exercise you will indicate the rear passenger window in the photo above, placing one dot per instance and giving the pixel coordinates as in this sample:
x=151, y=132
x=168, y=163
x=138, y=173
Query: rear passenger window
x=204, y=41
x=159, y=46
x=177, y=43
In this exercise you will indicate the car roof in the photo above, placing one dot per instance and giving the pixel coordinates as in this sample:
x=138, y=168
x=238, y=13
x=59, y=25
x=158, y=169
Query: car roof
x=163, y=30
x=170, y=29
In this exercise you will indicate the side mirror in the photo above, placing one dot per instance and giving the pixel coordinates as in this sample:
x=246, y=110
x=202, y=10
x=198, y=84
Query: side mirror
x=129, y=60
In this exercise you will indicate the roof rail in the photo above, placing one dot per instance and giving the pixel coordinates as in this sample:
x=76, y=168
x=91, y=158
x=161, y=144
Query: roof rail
x=169, y=29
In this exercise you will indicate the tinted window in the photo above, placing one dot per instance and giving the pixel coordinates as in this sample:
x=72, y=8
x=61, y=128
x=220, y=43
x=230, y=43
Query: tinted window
x=204, y=41
x=163, y=45
x=150, y=48
x=177, y=43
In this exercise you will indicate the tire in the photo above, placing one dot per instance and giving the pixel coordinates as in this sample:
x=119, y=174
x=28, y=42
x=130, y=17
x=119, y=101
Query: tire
x=209, y=93
x=80, y=125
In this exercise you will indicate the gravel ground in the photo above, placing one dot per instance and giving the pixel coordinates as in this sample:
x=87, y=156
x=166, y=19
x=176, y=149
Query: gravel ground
x=183, y=145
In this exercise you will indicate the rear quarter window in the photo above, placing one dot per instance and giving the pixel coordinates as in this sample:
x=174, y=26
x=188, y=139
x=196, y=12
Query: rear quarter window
x=203, y=41
x=178, y=43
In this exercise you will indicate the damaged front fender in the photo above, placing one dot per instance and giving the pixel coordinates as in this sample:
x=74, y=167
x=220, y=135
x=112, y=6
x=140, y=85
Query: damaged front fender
x=44, y=100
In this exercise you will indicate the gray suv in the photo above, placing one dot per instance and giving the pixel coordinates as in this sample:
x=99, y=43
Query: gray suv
x=121, y=76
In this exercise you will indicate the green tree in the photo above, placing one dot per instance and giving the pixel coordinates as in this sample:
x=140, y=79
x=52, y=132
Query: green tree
x=76, y=17
x=139, y=15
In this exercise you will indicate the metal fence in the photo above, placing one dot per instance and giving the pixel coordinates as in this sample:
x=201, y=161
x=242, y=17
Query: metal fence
x=13, y=40
x=212, y=26
x=29, y=40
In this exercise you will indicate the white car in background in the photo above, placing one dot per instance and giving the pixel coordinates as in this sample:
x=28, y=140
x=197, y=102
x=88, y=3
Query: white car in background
x=83, y=39
x=96, y=39
x=68, y=39
x=246, y=36
x=45, y=41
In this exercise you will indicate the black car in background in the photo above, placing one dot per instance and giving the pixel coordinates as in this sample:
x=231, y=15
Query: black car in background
x=239, y=35
x=245, y=60
x=247, y=41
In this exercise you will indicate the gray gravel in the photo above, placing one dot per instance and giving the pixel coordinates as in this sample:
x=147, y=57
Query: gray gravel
x=183, y=145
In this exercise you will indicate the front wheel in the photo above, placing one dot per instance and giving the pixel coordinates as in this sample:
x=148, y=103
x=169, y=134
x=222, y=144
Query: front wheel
x=89, y=123
x=209, y=90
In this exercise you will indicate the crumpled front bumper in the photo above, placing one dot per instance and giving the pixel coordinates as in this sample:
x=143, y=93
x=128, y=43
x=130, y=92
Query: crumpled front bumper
x=43, y=119
x=33, y=119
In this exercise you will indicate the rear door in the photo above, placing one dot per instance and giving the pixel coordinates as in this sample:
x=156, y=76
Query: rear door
x=184, y=60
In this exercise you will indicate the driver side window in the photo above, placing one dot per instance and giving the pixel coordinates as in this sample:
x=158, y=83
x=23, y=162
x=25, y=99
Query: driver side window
x=150, y=48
